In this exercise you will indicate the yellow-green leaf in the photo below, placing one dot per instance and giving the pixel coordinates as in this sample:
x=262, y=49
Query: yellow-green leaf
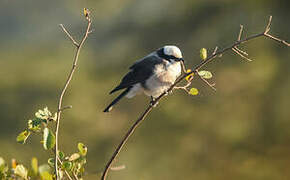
x=34, y=165
x=46, y=176
x=50, y=161
x=3, y=166
x=48, y=139
x=203, y=53
x=21, y=171
x=22, y=137
x=205, y=74
x=82, y=149
x=74, y=156
x=193, y=91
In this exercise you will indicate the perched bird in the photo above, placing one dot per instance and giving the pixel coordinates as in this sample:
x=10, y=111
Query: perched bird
x=153, y=74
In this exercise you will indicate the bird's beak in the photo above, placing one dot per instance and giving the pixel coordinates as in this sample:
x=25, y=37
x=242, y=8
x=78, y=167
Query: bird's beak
x=181, y=59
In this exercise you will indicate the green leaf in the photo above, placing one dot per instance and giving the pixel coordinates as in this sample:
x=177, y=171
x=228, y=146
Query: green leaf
x=74, y=157
x=67, y=165
x=48, y=139
x=203, y=53
x=50, y=161
x=22, y=137
x=34, y=125
x=205, y=74
x=82, y=149
x=193, y=91
x=21, y=171
x=61, y=155
x=34, y=165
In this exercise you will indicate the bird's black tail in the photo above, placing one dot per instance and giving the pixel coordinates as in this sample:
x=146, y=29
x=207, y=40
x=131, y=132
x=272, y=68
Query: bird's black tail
x=109, y=108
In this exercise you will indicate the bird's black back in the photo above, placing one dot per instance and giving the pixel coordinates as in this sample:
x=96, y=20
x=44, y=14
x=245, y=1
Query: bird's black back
x=140, y=72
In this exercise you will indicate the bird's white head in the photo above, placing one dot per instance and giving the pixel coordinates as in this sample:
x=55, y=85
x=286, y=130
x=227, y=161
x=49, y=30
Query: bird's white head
x=170, y=53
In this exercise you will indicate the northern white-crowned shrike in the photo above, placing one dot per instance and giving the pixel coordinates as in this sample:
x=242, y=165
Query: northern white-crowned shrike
x=153, y=74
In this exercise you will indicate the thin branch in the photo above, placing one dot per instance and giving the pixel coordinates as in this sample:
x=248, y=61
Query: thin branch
x=67, y=174
x=153, y=103
x=74, y=65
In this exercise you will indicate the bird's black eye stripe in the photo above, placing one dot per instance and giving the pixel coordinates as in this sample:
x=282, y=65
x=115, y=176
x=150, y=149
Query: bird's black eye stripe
x=161, y=54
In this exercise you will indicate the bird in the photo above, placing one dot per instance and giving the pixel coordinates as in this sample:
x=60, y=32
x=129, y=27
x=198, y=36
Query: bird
x=151, y=75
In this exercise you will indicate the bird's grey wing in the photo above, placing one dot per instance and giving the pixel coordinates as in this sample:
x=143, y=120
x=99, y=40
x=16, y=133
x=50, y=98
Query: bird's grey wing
x=140, y=72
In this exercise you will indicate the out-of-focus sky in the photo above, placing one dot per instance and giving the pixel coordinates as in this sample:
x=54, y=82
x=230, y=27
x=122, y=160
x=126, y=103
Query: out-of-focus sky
x=239, y=132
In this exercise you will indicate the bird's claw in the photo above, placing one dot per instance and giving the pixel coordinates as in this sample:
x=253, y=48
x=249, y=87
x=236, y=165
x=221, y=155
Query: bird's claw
x=152, y=102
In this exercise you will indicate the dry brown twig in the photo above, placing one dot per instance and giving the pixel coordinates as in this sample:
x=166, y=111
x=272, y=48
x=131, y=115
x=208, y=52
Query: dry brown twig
x=74, y=66
x=215, y=54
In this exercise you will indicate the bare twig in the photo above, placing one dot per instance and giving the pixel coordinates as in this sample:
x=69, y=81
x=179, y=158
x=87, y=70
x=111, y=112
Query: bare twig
x=240, y=54
x=267, y=29
x=196, y=68
x=277, y=39
x=243, y=52
x=241, y=31
x=69, y=36
x=184, y=87
x=74, y=65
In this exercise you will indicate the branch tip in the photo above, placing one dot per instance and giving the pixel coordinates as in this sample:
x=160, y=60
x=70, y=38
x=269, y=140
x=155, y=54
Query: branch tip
x=241, y=31
x=268, y=25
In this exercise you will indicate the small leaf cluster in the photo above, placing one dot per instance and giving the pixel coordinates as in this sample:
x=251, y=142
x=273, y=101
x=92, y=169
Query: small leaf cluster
x=204, y=74
x=40, y=124
x=19, y=171
x=72, y=164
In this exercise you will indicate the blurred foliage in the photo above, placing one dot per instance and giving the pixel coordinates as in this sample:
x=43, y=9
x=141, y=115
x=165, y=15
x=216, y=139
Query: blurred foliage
x=239, y=132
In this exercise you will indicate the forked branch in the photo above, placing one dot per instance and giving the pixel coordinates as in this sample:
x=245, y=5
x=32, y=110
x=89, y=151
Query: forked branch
x=215, y=54
x=74, y=65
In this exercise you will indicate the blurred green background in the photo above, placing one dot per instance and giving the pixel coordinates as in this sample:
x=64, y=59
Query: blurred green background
x=239, y=132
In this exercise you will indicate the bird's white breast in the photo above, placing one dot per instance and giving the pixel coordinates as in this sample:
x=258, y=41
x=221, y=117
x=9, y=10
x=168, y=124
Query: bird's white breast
x=163, y=77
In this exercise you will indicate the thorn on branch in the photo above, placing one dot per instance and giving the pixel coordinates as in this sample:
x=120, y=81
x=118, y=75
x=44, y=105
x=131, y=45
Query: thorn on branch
x=268, y=25
x=240, y=33
x=215, y=50
x=66, y=107
x=118, y=168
